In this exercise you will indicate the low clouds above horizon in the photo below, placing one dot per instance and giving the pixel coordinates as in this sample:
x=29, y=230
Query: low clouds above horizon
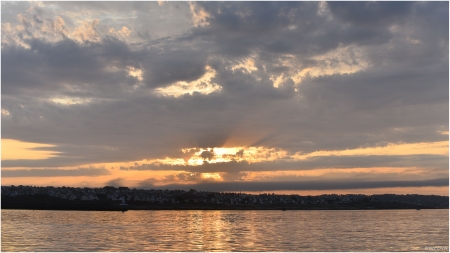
x=155, y=86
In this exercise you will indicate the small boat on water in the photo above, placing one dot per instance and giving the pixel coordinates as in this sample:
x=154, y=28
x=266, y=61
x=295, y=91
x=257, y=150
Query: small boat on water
x=123, y=206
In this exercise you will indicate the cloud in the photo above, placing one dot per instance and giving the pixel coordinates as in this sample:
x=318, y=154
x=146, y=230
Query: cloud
x=55, y=172
x=207, y=155
x=82, y=72
x=295, y=76
x=371, y=13
x=124, y=32
x=319, y=162
x=302, y=185
x=277, y=27
x=117, y=182
x=87, y=32
x=240, y=153
x=166, y=67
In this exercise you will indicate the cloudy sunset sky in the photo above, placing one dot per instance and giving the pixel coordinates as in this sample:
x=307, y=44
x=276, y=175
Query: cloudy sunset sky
x=293, y=97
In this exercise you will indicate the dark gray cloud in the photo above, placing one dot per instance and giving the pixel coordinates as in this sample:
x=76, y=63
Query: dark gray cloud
x=285, y=27
x=371, y=13
x=298, y=185
x=166, y=67
x=116, y=182
x=83, y=68
x=51, y=172
x=207, y=154
x=368, y=89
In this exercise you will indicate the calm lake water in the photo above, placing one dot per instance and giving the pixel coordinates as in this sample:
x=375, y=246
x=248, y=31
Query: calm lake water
x=375, y=230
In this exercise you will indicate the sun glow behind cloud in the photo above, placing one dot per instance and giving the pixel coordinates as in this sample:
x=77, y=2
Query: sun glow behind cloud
x=215, y=176
x=160, y=178
x=13, y=149
x=265, y=154
x=222, y=154
x=198, y=156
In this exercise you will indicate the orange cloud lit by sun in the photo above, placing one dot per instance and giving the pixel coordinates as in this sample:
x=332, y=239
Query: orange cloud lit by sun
x=330, y=173
x=19, y=150
x=215, y=176
x=228, y=154
x=12, y=149
x=265, y=154
x=422, y=148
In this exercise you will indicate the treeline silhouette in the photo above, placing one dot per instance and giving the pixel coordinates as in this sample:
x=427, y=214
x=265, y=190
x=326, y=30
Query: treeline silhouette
x=109, y=198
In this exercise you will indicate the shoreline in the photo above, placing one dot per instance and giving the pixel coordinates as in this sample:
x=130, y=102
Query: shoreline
x=113, y=206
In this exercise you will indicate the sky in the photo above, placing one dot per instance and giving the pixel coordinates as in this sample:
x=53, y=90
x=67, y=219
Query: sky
x=284, y=97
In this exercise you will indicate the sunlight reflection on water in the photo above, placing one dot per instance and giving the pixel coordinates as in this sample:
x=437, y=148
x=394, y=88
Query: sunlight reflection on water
x=375, y=230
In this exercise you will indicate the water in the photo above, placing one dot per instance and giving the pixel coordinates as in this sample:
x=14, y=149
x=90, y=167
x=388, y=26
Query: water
x=375, y=230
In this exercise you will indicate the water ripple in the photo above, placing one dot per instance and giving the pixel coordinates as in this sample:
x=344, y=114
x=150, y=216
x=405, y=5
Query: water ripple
x=375, y=230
